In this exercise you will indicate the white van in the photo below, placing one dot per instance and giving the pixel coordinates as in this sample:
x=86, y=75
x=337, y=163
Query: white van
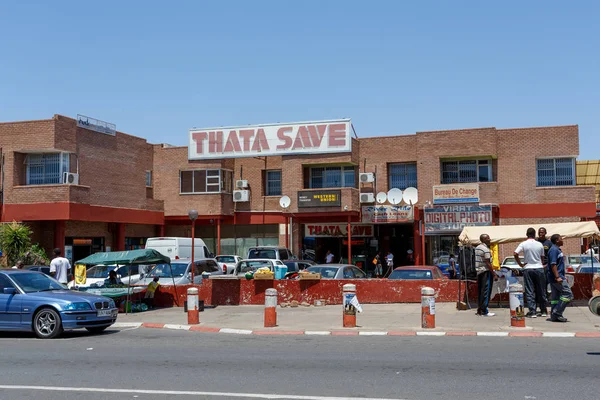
x=179, y=247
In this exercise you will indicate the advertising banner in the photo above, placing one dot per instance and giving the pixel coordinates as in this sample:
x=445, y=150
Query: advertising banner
x=319, y=198
x=454, y=218
x=317, y=137
x=456, y=193
x=386, y=214
x=337, y=230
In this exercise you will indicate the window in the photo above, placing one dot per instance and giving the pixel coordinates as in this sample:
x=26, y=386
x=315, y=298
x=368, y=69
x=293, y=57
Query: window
x=332, y=177
x=462, y=171
x=402, y=175
x=148, y=178
x=273, y=183
x=205, y=181
x=47, y=168
x=556, y=172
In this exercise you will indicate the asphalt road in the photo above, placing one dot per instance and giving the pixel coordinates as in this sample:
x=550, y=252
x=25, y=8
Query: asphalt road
x=162, y=364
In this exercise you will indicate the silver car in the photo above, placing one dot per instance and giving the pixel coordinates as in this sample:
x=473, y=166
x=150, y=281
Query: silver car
x=252, y=265
x=179, y=272
x=228, y=263
x=338, y=271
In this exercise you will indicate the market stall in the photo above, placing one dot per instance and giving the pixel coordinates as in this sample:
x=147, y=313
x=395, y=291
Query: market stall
x=130, y=258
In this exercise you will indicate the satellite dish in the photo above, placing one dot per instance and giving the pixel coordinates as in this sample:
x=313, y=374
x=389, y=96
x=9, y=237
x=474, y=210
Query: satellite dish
x=411, y=195
x=285, y=202
x=381, y=197
x=395, y=196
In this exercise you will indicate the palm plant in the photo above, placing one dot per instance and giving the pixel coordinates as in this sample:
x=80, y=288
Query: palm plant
x=15, y=239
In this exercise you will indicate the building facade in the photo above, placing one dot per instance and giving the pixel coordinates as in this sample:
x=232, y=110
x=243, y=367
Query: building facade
x=128, y=190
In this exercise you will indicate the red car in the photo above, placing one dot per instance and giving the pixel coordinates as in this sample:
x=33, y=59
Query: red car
x=417, y=272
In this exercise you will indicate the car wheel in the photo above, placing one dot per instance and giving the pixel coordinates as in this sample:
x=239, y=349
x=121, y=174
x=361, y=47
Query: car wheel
x=47, y=324
x=96, y=329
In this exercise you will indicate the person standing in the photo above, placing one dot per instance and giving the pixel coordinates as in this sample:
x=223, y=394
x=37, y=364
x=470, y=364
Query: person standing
x=410, y=259
x=452, y=267
x=533, y=254
x=328, y=257
x=389, y=258
x=543, y=239
x=150, y=292
x=18, y=265
x=378, y=266
x=60, y=267
x=561, y=294
x=485, y=275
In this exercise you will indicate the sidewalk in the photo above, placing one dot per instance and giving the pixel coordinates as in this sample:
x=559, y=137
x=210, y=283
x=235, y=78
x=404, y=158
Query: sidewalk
x=375, y=319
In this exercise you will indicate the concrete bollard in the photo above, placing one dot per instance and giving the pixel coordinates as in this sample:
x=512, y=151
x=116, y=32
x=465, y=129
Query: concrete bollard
x=517, y=309
x=427, y=308
x=192, y=306
x=349, y=316
x=270, y=308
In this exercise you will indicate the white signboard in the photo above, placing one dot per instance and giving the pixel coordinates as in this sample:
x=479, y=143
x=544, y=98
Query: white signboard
x=271, y=140
x=456, y=193
x=96, y=125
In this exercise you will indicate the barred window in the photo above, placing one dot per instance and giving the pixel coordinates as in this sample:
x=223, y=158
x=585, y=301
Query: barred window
x=46, y=168
x=205, y=181
x=273, y=183
x=332, y=177
x=556, y=172
x=402, y=175
x=463, y=171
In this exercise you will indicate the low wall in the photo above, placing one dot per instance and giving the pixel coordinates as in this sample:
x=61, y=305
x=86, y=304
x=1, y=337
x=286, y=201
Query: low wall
x=369, y=291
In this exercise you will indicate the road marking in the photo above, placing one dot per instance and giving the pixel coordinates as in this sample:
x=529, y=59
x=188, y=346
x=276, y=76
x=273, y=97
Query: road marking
x=317, y=333
x=492, y=333
x=178, y=327
x=236, y=331
x=126, y=325
x=184, y=393
x=426, y=333
x=558, y=334
x=372, y=333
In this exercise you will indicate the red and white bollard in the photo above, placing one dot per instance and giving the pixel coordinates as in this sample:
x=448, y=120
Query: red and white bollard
x=427, y=308
x=517, y=309
x=270, y=308
x=348, y=293
x=192, y=306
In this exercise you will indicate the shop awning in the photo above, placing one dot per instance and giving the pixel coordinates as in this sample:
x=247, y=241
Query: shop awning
x=516, y=233
x=143, y=256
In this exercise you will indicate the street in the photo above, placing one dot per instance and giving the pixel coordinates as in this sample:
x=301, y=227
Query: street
x=165, y=364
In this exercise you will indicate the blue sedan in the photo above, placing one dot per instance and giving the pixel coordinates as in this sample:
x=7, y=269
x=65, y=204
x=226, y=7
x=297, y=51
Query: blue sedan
x=32, y=301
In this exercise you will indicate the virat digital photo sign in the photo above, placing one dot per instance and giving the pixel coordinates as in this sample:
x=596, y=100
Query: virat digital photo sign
x=317, y=137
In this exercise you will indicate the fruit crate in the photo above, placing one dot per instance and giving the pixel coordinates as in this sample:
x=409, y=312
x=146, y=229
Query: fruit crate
x=310, y=276
x=270, y=276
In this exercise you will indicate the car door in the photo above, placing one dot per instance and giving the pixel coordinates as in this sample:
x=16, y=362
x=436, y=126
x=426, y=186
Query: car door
x=348, y=273
x=358, y=273
x=10, y=305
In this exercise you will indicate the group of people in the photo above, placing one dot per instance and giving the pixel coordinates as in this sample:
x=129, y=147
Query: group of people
x=542, y=261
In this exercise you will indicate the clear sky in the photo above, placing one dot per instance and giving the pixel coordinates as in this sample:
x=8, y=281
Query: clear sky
x=158, y=68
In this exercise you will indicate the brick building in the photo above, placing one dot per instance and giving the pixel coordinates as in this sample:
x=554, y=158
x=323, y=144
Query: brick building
x=130, y=190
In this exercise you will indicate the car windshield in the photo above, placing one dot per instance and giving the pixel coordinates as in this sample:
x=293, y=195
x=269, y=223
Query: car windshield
x=164, y=270
x=226, y=259
x=326, y=272
x=127, y=270
x=99, y=271
x=36, y=282
x=263, y=253
x=411, y=274
x=509, y=261
x=443, y=260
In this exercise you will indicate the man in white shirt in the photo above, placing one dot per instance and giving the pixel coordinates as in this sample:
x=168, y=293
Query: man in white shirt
x=329, y=257
x=59, y=267
x=533, y=275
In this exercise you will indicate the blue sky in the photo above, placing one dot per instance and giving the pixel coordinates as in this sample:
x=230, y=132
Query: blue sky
x=156, y=69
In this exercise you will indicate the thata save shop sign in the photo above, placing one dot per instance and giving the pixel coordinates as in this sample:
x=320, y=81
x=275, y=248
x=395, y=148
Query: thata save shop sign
x=337, y=230
x=271, y=140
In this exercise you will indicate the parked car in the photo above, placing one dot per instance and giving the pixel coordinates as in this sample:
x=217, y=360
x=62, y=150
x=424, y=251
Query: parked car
x=252, y=265
x=35, y=302
x=417, y=272
x=45, y=269
x=511, y=264
x=228, y=263
x=271, y=253
x=589, y=268
x=96, y=275
x=443, y=264
x=298, y=265
x=574, y=261
x=180, y=273
x=338, y=271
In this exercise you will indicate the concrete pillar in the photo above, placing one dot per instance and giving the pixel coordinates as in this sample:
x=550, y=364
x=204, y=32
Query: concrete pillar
x=119, y=244
x=59, y=235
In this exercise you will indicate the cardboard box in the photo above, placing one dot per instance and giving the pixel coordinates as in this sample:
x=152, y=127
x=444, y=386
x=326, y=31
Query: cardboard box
x=309, y=276
x=270, y=276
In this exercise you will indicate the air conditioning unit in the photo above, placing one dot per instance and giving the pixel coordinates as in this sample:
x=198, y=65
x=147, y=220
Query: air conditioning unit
x=367, y=177
x=241, y=196
x=70, y=178
x=241, y=184
x=367, y=198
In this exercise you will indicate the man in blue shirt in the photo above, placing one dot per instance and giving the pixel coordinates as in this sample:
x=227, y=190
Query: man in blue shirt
x=561, y=293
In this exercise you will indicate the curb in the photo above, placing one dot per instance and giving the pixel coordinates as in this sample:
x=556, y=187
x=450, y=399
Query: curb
x=266, y=332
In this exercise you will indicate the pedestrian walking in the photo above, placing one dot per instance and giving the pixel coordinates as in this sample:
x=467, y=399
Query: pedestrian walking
x=547, y=243
x=485, y=275
x=533, y=274
x=378, y=265
x=561, y=294
x=60, y=267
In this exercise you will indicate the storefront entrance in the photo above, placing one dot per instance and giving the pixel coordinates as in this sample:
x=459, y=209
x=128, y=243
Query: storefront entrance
x=83, y=247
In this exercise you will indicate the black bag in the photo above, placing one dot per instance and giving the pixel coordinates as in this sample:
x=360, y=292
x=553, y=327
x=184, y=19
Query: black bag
x=466, y=259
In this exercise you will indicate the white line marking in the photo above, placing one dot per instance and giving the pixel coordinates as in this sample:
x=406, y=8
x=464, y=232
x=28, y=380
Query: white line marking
x=558, y=334
x=178, y=327
x=501, y=334
x=184, y=393
x=126, y=325
x=433, y=333
x=372, y=333
x=317, y=333
x=236, y=331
